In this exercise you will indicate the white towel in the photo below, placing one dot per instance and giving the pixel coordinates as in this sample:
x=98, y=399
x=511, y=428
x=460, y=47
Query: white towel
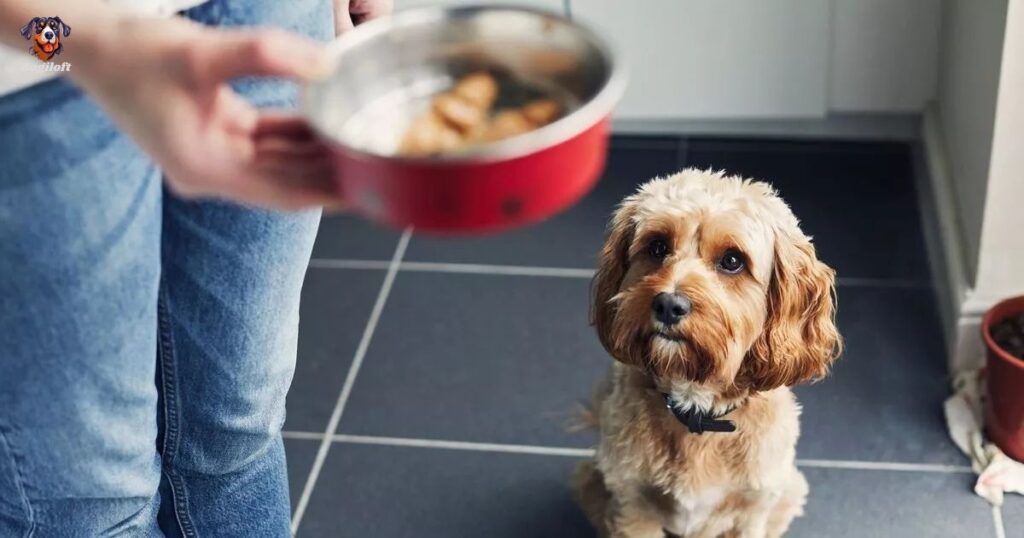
x=997, y=472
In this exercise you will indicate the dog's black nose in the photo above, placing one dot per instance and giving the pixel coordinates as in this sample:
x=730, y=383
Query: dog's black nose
x=669, y=308
x=48, y=34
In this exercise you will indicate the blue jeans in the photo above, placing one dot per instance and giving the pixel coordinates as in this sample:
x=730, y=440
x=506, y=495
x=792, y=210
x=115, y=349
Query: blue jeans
x=146, y=342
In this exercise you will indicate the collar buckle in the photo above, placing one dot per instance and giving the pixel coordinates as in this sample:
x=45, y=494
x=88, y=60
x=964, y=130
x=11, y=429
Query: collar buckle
x=698, y=421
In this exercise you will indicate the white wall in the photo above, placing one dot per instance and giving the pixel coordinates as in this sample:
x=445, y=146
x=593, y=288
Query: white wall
x=1001, y=253
x=757, y=64
x=972, y=44
x=973, y=138
x=884, y=55
x=698, y=59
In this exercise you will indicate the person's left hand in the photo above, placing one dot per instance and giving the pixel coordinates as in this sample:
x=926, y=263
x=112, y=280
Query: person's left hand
x=349, y=13
x=171, y=96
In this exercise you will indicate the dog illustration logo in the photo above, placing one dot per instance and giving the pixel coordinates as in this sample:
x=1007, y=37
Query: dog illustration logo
x=45, y=33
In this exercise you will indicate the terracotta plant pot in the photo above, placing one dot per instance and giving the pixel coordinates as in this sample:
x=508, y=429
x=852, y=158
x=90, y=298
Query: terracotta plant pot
x=1004, y=412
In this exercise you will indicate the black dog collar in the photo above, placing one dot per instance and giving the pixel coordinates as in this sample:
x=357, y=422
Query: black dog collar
x=698, y=421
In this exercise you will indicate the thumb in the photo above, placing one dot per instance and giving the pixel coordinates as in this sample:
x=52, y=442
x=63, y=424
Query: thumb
x=265, y=52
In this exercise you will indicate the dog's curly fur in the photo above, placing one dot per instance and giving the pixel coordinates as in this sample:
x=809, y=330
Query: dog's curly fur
x=748, y=337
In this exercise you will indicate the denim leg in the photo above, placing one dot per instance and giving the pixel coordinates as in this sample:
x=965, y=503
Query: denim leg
x=229, y=310
x=79, y=270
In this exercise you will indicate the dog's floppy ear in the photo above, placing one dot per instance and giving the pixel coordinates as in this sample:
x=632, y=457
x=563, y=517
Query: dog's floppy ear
x=611, y=268
x=800, y=340
x=27, y=31
x=65, y=29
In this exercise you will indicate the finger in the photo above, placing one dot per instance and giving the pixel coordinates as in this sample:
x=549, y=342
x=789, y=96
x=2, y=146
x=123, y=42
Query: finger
x=238, y=150
x=294, y=187
x=289, y=188
x=335, y=207
x=270, y=150
x=266, y=52
x=285, y=200
x=239, y=115
x=342, y=19
x=315, y=174
x=283, y=124
x=364, y=10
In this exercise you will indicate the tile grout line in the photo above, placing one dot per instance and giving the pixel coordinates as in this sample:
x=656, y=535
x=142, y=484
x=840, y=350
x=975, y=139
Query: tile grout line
x=587, y=452
x=884, y=466
x=462, y=445
x=330, y=263
x=302, y=436
x=997, y=520
x=346, y=389
x=682, y=153
x=486, y=269
x=561, y=272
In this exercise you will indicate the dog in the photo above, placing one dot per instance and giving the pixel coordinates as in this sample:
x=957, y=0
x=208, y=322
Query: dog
x=713, y=303
x=45, y=33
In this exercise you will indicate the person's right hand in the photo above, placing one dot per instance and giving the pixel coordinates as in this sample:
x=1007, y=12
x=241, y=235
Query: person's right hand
x=169, y=92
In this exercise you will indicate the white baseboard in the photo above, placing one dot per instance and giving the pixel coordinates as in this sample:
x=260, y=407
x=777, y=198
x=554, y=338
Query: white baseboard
x=960, y=308
x=894, y=127
x=968, y=352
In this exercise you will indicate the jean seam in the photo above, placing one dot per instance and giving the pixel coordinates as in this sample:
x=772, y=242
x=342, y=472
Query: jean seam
x=179, y=495
x=19, y=482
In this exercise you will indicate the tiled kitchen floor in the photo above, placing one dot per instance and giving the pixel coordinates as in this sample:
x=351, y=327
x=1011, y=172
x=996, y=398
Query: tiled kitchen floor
x=449, y=366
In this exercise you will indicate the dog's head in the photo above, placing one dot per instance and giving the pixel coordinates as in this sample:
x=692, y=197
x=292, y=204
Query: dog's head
x=45, y=33
x=709, y=279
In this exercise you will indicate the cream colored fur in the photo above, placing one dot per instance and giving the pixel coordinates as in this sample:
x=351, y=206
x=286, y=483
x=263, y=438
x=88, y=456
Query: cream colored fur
x=748, y=338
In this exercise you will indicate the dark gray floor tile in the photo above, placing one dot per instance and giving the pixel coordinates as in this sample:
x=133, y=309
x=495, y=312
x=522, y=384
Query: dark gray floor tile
x=478, y=358
x=300, y=454
x=644, y=142
x=387, y=492
x=856, y=504
x=857, y=199
x=335, y=307
x=391, y=492
x=573, y=238
x=351, y=237
x=500, y=359
x=1013, y=515
x=883, y=401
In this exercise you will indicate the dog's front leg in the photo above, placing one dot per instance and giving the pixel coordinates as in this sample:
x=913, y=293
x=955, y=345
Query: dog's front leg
x=789, y=505
x=633, y=517
x=759, y=519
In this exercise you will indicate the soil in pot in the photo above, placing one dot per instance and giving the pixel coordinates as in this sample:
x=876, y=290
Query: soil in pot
x=1009, y=335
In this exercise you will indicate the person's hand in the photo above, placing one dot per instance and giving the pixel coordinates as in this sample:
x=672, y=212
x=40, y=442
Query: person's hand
x=349, y=13
x=169, y=92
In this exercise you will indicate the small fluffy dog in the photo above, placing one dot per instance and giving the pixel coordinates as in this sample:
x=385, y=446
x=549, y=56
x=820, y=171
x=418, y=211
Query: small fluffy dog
x=713, y=303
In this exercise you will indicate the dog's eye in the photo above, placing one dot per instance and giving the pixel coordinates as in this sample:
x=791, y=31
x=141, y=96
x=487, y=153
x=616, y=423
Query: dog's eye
x=658, y=248
x=731, y=262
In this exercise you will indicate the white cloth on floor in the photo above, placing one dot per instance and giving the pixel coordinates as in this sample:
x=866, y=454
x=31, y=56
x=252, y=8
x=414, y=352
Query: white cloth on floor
x=997, y=472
